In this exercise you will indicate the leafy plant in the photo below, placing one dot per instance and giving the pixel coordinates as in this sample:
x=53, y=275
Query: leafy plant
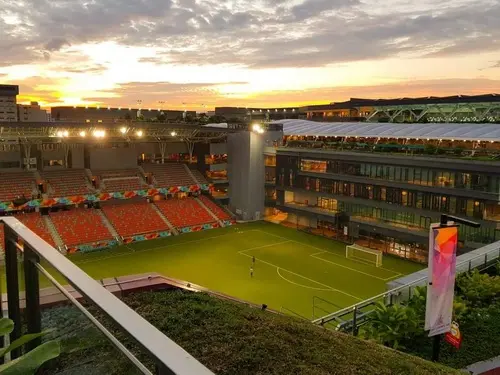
x=389, y=325
x=478, y=289
x=31, y=361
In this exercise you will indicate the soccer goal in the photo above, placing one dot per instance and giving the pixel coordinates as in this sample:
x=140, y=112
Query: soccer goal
x=364, y=254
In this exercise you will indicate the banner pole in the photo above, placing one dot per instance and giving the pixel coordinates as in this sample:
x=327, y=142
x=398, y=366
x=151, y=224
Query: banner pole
x=436, y=346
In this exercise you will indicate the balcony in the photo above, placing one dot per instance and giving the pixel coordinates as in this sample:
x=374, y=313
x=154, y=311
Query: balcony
x=119, y=339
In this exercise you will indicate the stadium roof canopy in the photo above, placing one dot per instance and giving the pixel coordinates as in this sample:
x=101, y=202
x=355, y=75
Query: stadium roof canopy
x=448, y=131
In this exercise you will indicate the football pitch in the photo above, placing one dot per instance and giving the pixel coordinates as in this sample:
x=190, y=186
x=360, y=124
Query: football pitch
x=291, y=268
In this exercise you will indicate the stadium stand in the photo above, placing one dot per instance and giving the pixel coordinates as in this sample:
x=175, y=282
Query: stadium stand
x=185, y=212
x=35, y=222
x=119, y=180
x=80, y=226
x=14, y=184
x=170, y=174
x=216, y=210
x=201, y=179
x=134, y=218
x=66, y=182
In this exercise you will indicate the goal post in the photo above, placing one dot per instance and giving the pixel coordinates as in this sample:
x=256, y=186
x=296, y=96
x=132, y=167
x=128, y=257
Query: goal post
x=364, y=254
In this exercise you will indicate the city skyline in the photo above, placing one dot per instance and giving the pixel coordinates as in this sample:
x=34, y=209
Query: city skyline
x=203, y=54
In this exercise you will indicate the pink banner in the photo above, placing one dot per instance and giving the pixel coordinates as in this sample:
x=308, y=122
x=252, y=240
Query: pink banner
x=441, y=279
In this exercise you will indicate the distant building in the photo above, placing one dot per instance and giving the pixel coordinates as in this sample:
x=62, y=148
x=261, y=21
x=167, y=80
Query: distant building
x=459, y=108
x=31, y=113
x=8, y=102
x=108, y=114
x=258, y=114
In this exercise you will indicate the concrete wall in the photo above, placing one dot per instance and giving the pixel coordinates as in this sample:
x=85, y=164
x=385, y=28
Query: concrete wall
x=11, y=156
x=218, y=148
x=246, y=172
x=77, y=158
x=112, y=158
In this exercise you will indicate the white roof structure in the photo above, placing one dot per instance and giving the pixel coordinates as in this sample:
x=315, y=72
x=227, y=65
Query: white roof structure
x=461, y=131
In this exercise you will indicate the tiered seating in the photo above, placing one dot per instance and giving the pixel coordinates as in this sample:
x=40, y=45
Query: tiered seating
x=120, y=180
x=80, y=226
x=167, y=175
x=66, y=182
x=217, y=211
x=35, y=222
x=185, y=212
x=14, y=184
x=134, y=218
x=201, y=179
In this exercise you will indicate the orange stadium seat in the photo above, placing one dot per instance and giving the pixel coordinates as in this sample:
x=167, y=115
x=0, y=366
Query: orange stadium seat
x=170, y=174
x=219, y=212
x=80, y=226
x=185, y=212
x=66, y=182
x=134, y=218
x=35, y=222
x=14, y=184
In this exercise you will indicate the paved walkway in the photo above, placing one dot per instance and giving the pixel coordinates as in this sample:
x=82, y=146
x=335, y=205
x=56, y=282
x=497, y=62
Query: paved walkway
x=489, y=367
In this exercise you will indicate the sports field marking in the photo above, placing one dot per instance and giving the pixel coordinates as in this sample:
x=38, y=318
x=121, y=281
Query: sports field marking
x=303, y=286
x=156, y=248
x=243, y=252
x=332, y=253
x=315, y=256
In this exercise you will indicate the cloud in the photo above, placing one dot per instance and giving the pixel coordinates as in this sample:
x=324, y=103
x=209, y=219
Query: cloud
x=278, y=33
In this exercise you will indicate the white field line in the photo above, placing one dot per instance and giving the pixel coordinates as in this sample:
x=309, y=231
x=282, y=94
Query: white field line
x=243, y=252
x=304, y=286
x=396, y=274
x=157, y=247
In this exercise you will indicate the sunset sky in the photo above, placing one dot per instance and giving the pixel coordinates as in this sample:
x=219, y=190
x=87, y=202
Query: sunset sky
x=198, y=54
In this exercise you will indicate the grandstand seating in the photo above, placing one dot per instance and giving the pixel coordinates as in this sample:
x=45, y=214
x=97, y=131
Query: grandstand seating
x=185, y=212
x=201, y=179
x=14, y=184
x=134, y=218
x=171, y=174
x=118, y=180
x=66, y=182
x=34, y=221
x=80, y=226
x=217, y=211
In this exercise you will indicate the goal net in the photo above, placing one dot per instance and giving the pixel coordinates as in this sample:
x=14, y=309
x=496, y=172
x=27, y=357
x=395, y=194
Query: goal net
x=364, y=254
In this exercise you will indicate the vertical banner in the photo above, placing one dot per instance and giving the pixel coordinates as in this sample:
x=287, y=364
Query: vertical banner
x=441, y=279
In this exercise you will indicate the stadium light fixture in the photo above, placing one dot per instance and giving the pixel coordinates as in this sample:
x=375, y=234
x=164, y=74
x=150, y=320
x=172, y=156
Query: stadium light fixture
x=123, y=130
x=256, y=128
x=139, y=133
x=99, y=133
x=83, y=134
x=173, y=134
x=65, y=133
x=60, y=134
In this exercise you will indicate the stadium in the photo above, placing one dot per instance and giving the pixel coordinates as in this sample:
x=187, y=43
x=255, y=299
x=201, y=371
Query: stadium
x=300, y=218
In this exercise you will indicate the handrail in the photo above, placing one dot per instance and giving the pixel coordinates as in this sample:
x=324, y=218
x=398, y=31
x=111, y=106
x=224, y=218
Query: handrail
x=169, y=356
x=346, y=310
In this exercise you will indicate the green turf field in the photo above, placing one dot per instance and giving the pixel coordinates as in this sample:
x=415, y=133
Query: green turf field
x=291, y=267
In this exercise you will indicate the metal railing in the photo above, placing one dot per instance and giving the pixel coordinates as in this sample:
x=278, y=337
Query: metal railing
x=358, y=312
x=168, y=357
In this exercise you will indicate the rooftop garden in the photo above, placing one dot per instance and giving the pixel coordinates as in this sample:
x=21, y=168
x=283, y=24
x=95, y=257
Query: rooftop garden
x=229, y=338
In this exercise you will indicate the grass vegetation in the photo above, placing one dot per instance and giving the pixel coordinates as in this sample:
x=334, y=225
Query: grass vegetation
x=233, y=339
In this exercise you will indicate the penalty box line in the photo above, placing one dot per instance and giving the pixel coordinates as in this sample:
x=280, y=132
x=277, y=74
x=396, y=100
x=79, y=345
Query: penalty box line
x=244, y=252
x=396, y=274
x=315, y=256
